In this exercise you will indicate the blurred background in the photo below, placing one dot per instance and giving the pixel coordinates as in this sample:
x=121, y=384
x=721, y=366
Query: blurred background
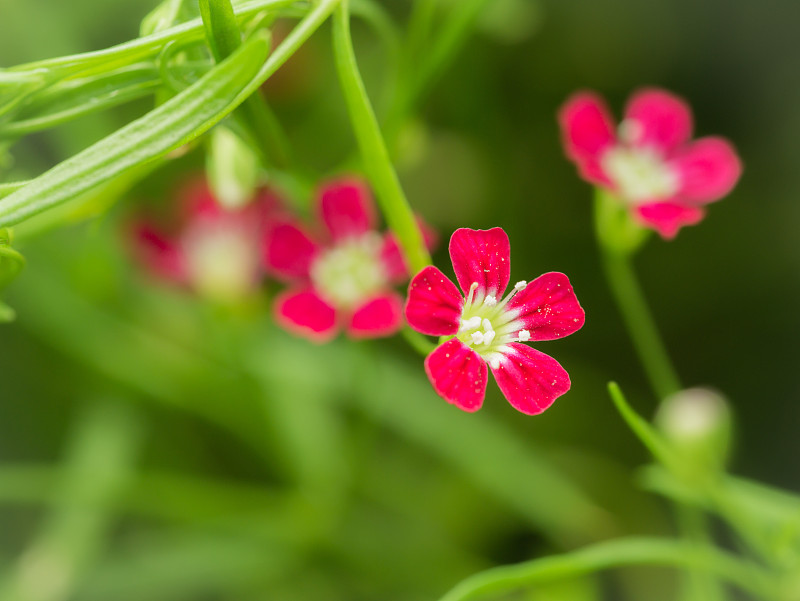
x=155, y=447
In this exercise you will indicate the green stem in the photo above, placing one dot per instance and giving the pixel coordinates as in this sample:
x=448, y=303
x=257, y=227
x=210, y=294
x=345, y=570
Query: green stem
x=377, y=163
x=224, y=36
x=633, y=306
x=616, y=553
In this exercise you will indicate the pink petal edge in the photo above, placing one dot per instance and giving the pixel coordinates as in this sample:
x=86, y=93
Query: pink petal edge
x=529, y=379
x=664, y=120
x=458, y=375
x=378, y=317
x=667, y=218
x=708, y=169
x=482, y=256
x=346, y=208
x=434, y=304
x=548, y=307
x=289, y=251
x=158, y=253
x=304, y=312
x=587, y=127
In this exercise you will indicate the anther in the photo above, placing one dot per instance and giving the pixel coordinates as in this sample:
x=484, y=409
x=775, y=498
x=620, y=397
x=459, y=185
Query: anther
x=477, y=337
x=488, y=337
x=490, y=301
x=471, y=323
x=524, y=335
x=520, y=285
x=487, y=325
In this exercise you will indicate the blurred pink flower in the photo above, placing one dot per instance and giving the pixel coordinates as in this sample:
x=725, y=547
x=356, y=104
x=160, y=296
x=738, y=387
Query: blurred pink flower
x=342, y=277
x=214, y=251
x=487, y=330
x=649, y=161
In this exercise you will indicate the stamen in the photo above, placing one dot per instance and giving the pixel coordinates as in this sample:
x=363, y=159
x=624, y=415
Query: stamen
x=524, y=335
x=471, y=294
x=471, y=323
x=488, y=337
x=490, y=301
x=487, y=325
x=477, y=337
x=520, y=285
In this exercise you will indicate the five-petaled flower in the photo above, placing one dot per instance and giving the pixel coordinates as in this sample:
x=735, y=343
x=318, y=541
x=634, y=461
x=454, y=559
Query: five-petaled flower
x=341, y=277
x=485, y=329
x=217, y=252
x=649, y=162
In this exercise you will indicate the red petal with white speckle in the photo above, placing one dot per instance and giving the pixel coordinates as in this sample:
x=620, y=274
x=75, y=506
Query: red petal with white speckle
x=434, y=303
x=530, y=380
x=548, y=307
x=482, y=256
x=458, y=375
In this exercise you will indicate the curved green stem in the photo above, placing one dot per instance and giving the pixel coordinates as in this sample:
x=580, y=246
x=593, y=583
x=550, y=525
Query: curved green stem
x=377, y=163
x=617, y=553
x=633, y=306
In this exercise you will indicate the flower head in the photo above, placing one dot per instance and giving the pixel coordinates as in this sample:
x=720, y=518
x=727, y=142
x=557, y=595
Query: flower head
x=216, y=252
x=649, y=162
x=342, y=276
x=485, y=328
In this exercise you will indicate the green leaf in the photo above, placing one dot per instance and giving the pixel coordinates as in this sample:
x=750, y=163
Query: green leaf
x=648, y=435
x=222, y=30
x=616, y=553
x=75, y=98
x=163, y=129
x=134, y=50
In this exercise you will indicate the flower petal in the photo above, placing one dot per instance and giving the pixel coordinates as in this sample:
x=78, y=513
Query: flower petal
x=662, y=120
x=434, y=303
x=378, y=317
x=587, y=128
x=708, y=169
x=159, y=254
x=548, y=307
x=668, y=217
x=346, y=208
x=458, y=375
x=530, y=380
x=289, y=251
x=482, y=256
x=304, y=312
x=196, y=200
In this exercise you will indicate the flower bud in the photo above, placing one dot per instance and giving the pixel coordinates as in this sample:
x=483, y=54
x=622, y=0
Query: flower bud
x=232, y=169
x=698, y=423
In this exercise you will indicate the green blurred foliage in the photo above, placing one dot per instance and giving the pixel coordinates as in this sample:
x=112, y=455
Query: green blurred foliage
x=251, y=466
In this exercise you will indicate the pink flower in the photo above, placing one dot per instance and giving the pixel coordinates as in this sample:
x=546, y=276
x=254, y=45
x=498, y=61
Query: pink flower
x=341, y=277
x=485, y=329
x=649, y=161
x=214, y=251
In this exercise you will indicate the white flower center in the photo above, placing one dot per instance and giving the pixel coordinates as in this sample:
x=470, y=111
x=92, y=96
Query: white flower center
x=222, y=260
x=640, y=174
x=350, y=272
x=487, y=326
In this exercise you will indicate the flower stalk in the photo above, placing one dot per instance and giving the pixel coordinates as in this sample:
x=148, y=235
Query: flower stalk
x=375, y=155
x=631, y=301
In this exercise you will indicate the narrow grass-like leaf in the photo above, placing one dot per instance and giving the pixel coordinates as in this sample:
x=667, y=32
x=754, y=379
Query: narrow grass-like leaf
x=140, y=48
x=222, y=30
x=163, y=129
x=616, y=553
x=641, y=428
x=76, y=98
